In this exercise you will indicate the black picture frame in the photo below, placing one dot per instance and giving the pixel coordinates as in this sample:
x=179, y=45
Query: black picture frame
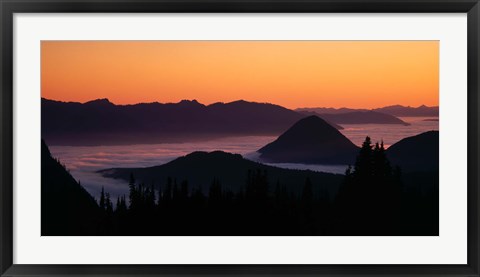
x=10, y=7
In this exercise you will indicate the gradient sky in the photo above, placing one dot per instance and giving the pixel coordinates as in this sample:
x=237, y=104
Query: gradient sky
x=356, y=74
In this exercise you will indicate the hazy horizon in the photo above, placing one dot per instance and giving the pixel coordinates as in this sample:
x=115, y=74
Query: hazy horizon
x=238, y=100
x=356, y=74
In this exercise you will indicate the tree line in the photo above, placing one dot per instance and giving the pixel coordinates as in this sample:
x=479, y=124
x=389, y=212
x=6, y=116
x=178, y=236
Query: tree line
x=371, y=201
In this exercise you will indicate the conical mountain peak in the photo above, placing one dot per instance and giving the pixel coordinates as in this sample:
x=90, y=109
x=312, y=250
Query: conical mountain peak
x=310, y=140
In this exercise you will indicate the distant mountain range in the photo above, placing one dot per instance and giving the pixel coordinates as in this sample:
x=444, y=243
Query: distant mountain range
x=358, y=117
x=398, y=110
x=200, y=168
x=395, y=110
x=100, y=122
x=311, y=141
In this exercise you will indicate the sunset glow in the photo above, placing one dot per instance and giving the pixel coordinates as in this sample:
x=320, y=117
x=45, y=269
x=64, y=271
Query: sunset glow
x=355, y=74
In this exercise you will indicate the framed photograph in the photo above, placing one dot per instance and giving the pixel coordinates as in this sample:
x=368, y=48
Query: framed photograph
x=239, y=138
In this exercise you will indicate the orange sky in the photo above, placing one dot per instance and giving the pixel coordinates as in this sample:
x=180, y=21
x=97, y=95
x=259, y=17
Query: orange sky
x=356, y=74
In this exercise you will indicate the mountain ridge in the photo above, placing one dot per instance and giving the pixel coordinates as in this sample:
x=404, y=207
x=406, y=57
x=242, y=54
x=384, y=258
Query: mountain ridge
x=416, y=153
x=358, y=117
x=66, y=208
x=102, y=122
x=199, y=168
x=394, y=110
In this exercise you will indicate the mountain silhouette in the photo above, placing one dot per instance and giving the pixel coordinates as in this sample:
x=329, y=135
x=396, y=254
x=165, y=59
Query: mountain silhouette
x=322, y=110
x=398, y=110
x=359, y=117
x=311, y=141
x=99, y=103
x=102, y=122
x=307, y=113
x=417, y=153
x=201, y=168
x=67, y=208
x=394, y=110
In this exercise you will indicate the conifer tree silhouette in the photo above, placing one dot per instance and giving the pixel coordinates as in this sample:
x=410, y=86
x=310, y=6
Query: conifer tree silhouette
x=369, y=198
x=102, y=203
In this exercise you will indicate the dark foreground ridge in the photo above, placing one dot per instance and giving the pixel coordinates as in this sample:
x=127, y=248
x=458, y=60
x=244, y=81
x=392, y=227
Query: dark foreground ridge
x=199, y=169
x=420, y=152
x=222, y=194
x=67, y=208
